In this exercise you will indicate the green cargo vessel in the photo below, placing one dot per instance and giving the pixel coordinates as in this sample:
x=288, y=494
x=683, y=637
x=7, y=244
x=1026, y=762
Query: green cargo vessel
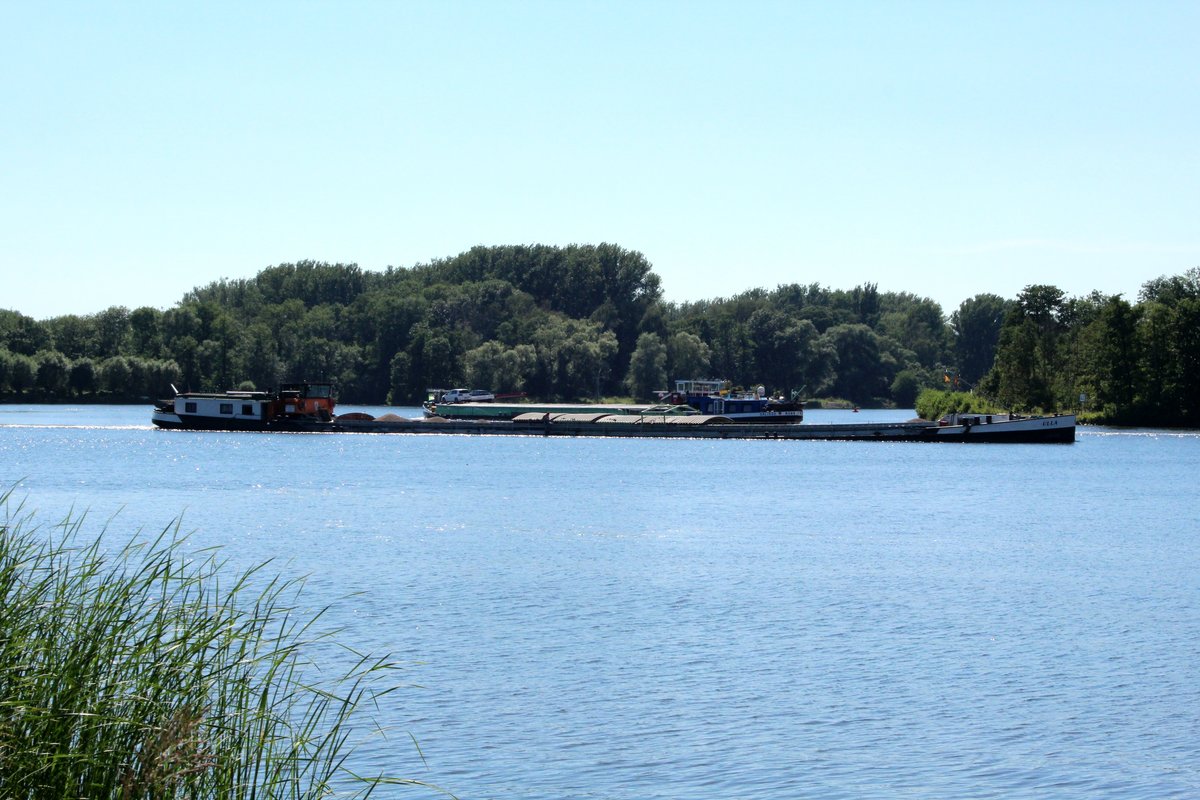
x=507, y=411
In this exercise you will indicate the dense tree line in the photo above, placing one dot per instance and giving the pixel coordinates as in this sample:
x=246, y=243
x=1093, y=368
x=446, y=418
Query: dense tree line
x=555, y=322
x=588, y=320
x=1132, y=363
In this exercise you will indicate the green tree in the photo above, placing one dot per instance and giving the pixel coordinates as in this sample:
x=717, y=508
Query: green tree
x=258, y=356
x=688, y=356
x=976, y=332
x=83, y=376
x=6, y=365
x=906, y=387
x=381, y=321
x=819, y=369
x=1027, y=362
x=647, y=367
x=1042, y=304
x=494, y=366
x=167, y=375
x=788, y=354
x=917, y=325
x=1157, y=346
x=573, y=357
x=115, y=374
x=1018, y=379
x=23, y=335
x=53, y=369
x=732, y=349
x=860, y=373
x=774, y=347
x=864, y=301
x=322, y=359
x=1170, y=290
x=400, y=382
x=437, y=357
x=481, y=364
x=22, y=373
x=154, y=377
x=1186, y=325
x=113, y=331
x=145, y=332
x=1117, y=361
x=73, y=336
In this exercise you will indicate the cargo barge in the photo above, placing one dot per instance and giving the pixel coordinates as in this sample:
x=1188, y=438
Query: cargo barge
x=308, y=408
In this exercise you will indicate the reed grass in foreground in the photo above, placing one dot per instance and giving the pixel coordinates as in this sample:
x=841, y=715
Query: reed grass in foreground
x=149, y=672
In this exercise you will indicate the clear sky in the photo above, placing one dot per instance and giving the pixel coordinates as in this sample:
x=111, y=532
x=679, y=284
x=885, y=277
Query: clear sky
x=942, y=148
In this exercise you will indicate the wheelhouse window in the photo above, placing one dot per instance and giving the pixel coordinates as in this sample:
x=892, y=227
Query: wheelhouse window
x=247, y=410
x=226, y=408
x=190, y=407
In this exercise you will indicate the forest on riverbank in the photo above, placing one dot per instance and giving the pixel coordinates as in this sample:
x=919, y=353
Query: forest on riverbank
x=584, y=321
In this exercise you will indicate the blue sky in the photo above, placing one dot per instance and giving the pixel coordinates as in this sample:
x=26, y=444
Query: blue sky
x=945, y=149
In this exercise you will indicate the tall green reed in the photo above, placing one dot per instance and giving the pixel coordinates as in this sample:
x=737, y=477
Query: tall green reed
x=148, y=671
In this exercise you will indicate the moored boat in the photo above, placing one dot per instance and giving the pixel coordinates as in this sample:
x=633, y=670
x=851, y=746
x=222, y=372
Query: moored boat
x=752, y=407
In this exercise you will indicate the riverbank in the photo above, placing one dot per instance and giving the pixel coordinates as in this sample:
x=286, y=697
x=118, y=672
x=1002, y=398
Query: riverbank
x=166, y=675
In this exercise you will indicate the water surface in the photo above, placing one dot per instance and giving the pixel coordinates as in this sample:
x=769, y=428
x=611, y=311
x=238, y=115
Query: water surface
x=601, y=618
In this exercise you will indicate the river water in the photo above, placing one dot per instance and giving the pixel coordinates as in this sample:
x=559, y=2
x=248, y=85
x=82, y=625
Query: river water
x=602, y=618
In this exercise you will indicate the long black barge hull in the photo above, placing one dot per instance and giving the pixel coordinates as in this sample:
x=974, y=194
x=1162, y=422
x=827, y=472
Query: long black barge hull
x=862, y=432
x=982, y=435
